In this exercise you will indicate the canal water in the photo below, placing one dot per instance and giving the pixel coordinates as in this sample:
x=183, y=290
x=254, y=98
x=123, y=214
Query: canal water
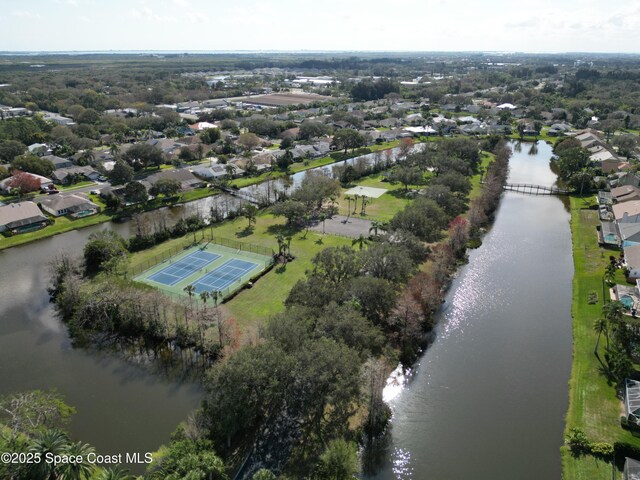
x=121, y=407
x=487, y=399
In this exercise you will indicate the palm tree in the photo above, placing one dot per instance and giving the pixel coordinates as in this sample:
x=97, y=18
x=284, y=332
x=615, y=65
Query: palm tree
x=115, y=473
x=348, y=199
x=77, y=471
x=613, y=311
x=215, y=295
x=375, y=226
x=361, y=241
x=363, y=202
x=601, y=326
x=323, y=217
x=114, y=149
x=610, y=274
x=190, y=289
x=87, y=156
x=355, y=203
x=53, y=442
x=204, y=296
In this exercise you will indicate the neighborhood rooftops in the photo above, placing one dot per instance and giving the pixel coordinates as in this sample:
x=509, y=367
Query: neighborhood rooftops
x=72, y=203
x=627, y=211
x=20, y=214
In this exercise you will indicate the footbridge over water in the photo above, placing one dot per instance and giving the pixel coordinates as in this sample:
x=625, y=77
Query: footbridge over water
x=531, y=189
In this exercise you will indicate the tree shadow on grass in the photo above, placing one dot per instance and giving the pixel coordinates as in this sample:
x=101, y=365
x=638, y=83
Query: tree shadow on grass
x=284, y=230
x=246, y=232
x=400, y=193
x=282, y=268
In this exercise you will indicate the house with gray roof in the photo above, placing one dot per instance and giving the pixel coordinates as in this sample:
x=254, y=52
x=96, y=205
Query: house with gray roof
x=65, y=175
x=187, y=179
x=76, y=205
x=21, y=217
x=58, y=162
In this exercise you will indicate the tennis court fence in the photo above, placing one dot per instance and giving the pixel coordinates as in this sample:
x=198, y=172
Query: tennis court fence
x=188, y=243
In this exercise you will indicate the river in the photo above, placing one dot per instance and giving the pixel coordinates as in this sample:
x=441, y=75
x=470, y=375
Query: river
x=488, y=397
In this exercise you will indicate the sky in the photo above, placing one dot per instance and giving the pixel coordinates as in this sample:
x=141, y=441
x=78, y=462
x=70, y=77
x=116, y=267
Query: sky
x=293, y=25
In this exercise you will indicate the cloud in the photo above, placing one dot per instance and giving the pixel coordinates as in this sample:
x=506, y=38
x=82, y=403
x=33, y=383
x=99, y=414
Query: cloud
x=528, y=23
x=26, y=14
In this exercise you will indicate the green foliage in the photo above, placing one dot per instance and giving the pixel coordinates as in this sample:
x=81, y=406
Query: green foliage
x=121, y=174
x=210, y=135
x=187, y=459
x=577, y=441
x=316, y=188
x=311, y=128
x=347, y=138
x=33, y=164
x=368, y=90
x=292, y=210
x=406, y=175
x=34, y=412
x=263, y=474
x=142, y=155
x=24, y=130
x=339, y=461
x=424, y=218
x=166, y=187
x=103, y=247
x=135, y=192
x=10, y=149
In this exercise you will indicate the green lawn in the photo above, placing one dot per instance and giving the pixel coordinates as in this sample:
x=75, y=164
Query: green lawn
x=383, y=208
x=75, y=186
x=252, y=306
x=62, y=224
x=593, y=404
x=476, y=186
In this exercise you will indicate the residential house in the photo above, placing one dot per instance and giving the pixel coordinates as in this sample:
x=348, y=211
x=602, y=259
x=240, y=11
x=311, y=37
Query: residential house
x=58, y=162
x=21, y=217
x=76, y=205
x=625, y=193
x=215, y=172
x=629, y=233
x=589, y=139
x=632, y=261
x=627, y=212
x=69, y=174
x=187, y=179
x=44, y=183
x=558, y=129
x=624, y=178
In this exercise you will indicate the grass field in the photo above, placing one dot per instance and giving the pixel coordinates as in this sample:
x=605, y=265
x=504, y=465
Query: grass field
x=252, y=306
x=593, y=403
x=383, y=208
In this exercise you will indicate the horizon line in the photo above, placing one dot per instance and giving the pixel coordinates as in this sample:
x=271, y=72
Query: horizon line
x=246, y=51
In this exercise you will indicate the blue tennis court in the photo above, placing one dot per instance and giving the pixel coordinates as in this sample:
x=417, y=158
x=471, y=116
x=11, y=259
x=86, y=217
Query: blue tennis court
x=224, y=276
x=181, y=269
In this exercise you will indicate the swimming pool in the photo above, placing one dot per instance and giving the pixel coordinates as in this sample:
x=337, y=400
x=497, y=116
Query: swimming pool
x=627, y=301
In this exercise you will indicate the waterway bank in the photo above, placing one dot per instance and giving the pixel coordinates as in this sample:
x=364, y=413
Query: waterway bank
x=496, y=372
x=594, y=404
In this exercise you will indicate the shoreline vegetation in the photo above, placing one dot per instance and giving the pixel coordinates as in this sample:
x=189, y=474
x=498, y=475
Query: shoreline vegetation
x=309, y=381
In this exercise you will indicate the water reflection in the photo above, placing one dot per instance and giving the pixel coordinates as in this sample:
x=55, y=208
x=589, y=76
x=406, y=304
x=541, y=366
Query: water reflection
x=496, y=372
